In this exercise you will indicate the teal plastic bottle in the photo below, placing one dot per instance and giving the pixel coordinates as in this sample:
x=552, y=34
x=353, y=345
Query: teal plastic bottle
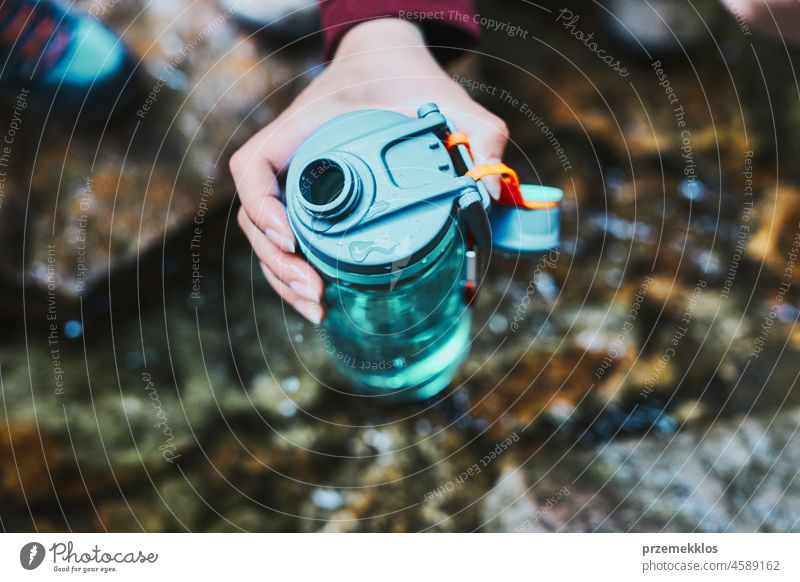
x=407, y=341
x=380, y=205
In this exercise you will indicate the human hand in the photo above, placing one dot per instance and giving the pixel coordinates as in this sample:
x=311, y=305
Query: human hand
x=380, y=64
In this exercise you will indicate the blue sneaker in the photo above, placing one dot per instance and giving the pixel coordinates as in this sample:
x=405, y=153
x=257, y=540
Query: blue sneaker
x=69, y=62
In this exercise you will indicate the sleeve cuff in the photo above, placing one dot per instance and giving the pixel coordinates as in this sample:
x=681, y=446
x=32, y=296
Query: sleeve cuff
x=448, y=25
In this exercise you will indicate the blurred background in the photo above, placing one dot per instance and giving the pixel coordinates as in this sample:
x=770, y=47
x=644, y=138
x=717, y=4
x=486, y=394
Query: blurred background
x=644, y=379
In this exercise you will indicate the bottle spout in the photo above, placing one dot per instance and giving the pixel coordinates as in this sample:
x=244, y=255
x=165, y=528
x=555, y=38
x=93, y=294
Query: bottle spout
x=329, y=187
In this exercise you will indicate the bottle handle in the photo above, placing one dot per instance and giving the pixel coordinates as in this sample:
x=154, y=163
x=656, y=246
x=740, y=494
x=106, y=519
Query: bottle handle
x=525, y=218
x=510, y=189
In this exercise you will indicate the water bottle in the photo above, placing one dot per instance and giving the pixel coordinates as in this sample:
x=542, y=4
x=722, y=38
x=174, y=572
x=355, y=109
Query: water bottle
x=392, y=212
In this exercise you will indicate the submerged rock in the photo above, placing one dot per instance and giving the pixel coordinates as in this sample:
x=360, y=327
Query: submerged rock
x=603, y=390
x=735, y=475
x=101, y=197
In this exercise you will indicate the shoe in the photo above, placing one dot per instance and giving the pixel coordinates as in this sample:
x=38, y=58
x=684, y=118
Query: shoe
x=69, y=62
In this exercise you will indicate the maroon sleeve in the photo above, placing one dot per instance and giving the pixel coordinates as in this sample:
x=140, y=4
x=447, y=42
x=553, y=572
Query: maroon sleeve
x=447, y=24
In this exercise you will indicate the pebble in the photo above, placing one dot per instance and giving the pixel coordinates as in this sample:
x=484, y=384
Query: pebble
x=693, y=190
x=787, y=313
x=291, y=384
x=329, y=499
x=287, y=408
x=423, y=427
x=546, y=286
x=73, y=329
x=498, y=324
x=380, y=440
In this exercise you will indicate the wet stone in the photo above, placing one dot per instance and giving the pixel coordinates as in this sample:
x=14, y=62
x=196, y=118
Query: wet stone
x=102, y=197
x=400, y=482
x=739, y=477
x=603, y=365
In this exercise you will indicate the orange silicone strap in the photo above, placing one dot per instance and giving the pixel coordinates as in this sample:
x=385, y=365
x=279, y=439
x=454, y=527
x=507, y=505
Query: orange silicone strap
x=456, y=139
x=510, y=193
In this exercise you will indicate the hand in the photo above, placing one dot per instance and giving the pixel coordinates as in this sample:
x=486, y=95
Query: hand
x=380, y=64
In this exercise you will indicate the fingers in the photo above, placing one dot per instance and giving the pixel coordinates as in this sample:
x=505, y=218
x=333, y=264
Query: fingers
x=255, y=167
x=257, y=187
x=263, y=217
x=253, y=170
x=488, y=136
x=291, y=269
x=311, y=310
x=291, y=277
x=256, y=183
x=270, y=218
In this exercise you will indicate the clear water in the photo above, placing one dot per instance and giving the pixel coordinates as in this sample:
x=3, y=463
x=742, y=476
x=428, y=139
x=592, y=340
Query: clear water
x=407, y=341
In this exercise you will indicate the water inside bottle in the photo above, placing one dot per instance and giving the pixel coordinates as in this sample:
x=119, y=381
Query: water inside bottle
x=406, y=340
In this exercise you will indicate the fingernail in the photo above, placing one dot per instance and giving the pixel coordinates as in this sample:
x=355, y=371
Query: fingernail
x=279, y=220
x=284, y=242
x=298, y=271
x=264, y=270
x=310, y=310
x=304, y=290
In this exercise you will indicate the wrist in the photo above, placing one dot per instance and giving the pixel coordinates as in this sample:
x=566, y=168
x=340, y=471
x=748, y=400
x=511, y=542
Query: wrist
x=382, y=33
